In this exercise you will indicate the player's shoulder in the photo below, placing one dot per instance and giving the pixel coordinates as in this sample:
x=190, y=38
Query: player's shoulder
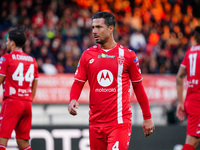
x=189, y=51
x=3, y=58
x=22, y=56
x=29, y=56
x=127, y=52
x=91, y=49
x=194, y=48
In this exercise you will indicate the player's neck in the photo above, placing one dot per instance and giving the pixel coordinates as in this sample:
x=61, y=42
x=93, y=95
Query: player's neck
x=108, y=45
x=17, y=49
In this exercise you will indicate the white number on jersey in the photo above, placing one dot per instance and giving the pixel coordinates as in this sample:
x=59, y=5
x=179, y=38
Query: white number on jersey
x=18, y=74
x=193, y=58
x=116, y=146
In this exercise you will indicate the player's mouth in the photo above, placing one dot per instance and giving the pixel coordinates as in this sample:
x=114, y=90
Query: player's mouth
x=96, y=37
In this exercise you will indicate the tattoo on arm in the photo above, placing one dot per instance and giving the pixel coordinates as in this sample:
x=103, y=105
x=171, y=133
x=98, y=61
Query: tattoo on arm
x=180, y=76
x=178, y=82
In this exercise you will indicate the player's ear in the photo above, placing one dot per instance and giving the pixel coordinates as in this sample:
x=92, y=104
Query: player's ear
x=111, y=28
x=13, y=43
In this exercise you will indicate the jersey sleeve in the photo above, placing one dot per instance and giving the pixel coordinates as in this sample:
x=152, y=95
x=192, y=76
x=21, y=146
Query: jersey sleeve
x=36, y=74
x=134, y=68
x=81, y=73
x=76, y=89
x=183, y=63
x=3, y=65
x=142, y=99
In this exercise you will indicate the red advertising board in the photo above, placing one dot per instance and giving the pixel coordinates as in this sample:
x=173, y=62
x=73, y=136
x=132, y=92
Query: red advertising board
x=159, y=88
x=56, y=89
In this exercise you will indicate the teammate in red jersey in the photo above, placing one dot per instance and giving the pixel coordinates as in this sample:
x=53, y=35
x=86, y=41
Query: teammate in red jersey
x=19, y=74
x=190, y=66
x=109, y=67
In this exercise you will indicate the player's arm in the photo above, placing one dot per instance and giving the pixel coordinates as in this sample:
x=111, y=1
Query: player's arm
x=77, y=86
x=180, y=86
x=34, y=87
x=35, y=80
x=75, y=93
x=3, y=68
x=136, y=78
x=1, y=79
x=148, y=126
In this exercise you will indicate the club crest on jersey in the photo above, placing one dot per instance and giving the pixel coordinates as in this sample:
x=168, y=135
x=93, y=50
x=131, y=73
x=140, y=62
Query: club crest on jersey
x=102, y=55
x=121, y=60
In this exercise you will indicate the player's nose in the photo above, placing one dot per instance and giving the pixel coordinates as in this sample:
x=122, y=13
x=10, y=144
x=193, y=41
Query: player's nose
x=94, y=31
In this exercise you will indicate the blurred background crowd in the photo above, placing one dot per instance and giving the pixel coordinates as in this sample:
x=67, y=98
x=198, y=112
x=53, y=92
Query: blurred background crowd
x=58, y=31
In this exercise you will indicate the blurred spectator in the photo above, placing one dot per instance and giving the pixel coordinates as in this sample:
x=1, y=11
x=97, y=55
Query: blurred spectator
x=59, y=67
x=38, y=20
x=59, y=31
x=49, y=68
x=40, y=63
x=69, y=66
x=137, y=41
x=55, y=47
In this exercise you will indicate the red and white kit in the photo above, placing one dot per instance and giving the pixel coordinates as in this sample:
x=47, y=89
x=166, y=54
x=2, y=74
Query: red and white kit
x=191, y=62
x=19, y=70
x=109, y=73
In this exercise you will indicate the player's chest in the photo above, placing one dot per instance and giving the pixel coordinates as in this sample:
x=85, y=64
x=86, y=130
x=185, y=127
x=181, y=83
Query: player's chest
x=110, y=62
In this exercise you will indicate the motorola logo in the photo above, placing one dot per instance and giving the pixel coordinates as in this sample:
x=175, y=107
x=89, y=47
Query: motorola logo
x=105, y=78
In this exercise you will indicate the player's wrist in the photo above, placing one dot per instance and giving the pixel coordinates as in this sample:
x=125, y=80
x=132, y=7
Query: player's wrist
x=72, y=100
x=180, y=103
x=147, y=117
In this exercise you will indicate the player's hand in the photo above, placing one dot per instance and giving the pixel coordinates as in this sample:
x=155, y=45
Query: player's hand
x=73, y=105
x=148, y=127
x=180, y=111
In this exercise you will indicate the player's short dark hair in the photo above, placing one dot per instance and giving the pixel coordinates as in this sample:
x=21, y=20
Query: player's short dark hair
x=109, y=18
x=18, y=36
x=197, y=34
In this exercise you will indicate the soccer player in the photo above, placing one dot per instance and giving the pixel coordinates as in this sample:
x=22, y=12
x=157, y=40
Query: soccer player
x=190, y=66
x=109, y=67
x=18, y=75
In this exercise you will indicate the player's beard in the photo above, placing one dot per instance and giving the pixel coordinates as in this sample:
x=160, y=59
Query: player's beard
x=101, y=41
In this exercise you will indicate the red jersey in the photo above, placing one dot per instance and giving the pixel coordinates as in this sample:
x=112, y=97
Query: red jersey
x=19, y=70
x=109, y=74
x=191, y=62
